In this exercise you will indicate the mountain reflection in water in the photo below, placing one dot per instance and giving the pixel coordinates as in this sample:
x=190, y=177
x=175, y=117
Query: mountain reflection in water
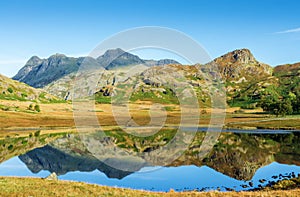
x=118, y=154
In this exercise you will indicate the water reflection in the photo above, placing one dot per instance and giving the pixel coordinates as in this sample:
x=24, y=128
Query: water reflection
x=235, y=161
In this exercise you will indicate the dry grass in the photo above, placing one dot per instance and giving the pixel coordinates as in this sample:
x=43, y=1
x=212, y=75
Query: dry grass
x=12, y=186
x=60, y=117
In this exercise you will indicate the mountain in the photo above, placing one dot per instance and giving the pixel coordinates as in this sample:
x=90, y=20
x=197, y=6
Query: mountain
x=15, y=90
x=40, y=72
x=246, y=80
x=241, y=63
x=115, y=58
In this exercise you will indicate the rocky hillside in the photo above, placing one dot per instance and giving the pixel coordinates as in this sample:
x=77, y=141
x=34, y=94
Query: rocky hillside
x=40, y=72
x=14, y=90
x=241, y=65
x=242, y=75
x=247, y=81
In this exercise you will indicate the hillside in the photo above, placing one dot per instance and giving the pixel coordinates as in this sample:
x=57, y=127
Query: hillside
x=289, y=76
x=239, y=69
x=249, y=83
x=14, y=90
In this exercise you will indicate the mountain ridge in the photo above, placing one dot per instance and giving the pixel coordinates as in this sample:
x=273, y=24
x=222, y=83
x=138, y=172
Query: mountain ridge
x=39, y=72
x=246, y=80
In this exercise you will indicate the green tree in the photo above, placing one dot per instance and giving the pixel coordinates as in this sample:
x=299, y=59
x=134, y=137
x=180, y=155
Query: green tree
x=296, y=103
x=285, y=107
x=280, y=107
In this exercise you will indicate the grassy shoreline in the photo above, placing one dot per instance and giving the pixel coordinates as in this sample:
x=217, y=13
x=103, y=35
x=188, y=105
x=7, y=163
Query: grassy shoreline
x=28, y=186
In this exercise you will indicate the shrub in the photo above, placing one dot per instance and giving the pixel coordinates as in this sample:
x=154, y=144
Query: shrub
x=30, y=107
x=37, y=133
x=24, y=95
x=37, y=108
x=10, y=90
x=10, y=147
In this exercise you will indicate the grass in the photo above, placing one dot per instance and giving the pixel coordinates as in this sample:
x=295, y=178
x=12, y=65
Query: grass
x=167, y=97
x=15, y=114
x=100, y=99
x=15, y=187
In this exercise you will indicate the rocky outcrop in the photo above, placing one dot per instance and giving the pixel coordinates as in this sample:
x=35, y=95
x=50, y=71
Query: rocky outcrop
x=52, y=177
x=241, y=63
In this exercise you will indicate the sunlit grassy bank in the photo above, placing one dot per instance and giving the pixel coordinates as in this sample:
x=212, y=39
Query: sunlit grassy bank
x=11, y=186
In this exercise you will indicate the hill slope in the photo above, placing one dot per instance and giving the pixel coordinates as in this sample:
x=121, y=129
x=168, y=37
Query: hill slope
x=14, y=90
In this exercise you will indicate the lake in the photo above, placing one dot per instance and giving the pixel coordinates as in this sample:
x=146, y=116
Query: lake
x=239, y=160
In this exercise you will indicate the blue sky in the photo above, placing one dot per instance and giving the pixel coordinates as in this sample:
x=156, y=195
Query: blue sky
x=269, y=28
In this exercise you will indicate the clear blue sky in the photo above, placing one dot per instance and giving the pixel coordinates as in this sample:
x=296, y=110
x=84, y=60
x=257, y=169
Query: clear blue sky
x=269, y=28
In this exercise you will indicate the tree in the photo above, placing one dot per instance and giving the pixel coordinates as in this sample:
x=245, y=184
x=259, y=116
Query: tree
x=281, y=107
x=285, y=107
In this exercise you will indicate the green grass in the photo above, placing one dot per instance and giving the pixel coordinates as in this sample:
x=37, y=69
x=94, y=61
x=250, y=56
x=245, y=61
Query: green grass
x=99, y=98
x=167, y=97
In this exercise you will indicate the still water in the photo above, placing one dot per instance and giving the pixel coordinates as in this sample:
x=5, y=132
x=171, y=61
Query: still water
x=238, y=161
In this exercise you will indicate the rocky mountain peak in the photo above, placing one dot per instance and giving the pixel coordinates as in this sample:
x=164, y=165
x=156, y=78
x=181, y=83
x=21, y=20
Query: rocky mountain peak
x=57, y=55
x=113, y=52
x=242, y=56
x=41, y=72
x=113, y=58
x=56, y=58
x=34, y=60
x=241, y=64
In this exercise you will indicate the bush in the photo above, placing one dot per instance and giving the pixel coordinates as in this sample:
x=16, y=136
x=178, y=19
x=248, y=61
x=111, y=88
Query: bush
x=37, y=133
x=10, y=90
x=24, y=95
x=30, y=107
x=37, y=108
x=10, y=147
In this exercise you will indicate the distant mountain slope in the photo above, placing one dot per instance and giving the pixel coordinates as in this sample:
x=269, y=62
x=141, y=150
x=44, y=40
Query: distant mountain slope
x=117, y=58
x=40, y=72
x=14, y=90
x=287, y=70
